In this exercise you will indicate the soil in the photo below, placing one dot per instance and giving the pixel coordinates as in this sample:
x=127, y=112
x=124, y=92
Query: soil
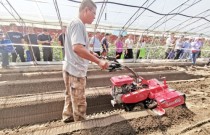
x=192, y=119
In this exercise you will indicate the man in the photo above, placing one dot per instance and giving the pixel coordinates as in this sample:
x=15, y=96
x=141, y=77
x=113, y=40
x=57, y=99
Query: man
x=45, y=39
x=31, y=39
x=105, y=45
x=61, y=39
x=201, y=41
x=96, y=44
x=186, y=50
x=3, y=51
x=179, y=46
x=129, y=47
x=77, y=57
x=169, y=47
x=16, y=38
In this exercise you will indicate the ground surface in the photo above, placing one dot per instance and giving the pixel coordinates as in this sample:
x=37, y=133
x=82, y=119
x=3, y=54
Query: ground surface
x=193, y=120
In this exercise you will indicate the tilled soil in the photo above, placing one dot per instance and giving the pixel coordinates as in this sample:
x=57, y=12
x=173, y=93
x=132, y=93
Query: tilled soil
x=145, y=125
x=194, y=119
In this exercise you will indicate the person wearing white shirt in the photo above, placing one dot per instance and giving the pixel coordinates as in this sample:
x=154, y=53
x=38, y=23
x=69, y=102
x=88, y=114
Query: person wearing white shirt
x=129, y=47
x=170, y=43
x=96, y=44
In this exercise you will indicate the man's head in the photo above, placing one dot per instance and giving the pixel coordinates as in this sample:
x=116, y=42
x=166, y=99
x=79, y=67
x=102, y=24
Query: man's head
x=197, y=39
x=87, y=11
x=13, y=27
x=120, y=37
x=97, y=34
x=130, y=36
x=141, y=38
x=172, y=35
x=30, y=30
x=63, y=29
x=182, y=37
x=107, y=35
x=45, y=31
x=191, y=39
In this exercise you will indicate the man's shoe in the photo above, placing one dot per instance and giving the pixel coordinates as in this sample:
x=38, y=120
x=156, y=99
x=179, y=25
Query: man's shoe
x=68, y=120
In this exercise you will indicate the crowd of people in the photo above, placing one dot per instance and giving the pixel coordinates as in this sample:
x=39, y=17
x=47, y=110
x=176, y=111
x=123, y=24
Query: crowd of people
x=183, y=48
x=12, y=42
x=175, y=48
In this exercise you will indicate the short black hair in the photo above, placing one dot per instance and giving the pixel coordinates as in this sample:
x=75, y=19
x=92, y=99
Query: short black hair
x=107, y=34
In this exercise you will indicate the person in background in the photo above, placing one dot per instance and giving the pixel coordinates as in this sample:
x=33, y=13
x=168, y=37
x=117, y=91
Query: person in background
x=105, y=45
x=3, y=51
x=186, y=49
x=17, y=39
x=45, y=39
x=119, y=47
x=61, y=39
x=77, y=57
x=195, y=47
x=129, y=43
x=178, y=47
x=140, y=44
x=201, y=41
x=96, y=44
x=169, y=47
x=31, y=39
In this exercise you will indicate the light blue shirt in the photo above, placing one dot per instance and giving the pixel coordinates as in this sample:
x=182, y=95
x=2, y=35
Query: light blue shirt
x=96, y=44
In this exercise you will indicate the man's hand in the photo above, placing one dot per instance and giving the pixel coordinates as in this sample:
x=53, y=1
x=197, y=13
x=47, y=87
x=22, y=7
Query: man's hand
x=103, y=64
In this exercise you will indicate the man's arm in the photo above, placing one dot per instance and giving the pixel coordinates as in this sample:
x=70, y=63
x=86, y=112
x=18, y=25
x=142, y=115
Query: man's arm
x=41, y=42
x=91, y=42
x=86, y=54
x=104, y=46
x=126, y=47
